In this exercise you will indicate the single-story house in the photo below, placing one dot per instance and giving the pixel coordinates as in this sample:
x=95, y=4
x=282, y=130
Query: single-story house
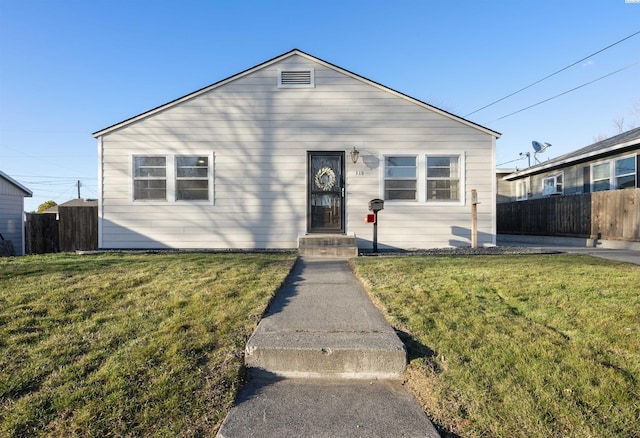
x=610, y=164
x=12, y=195
x=290, y=147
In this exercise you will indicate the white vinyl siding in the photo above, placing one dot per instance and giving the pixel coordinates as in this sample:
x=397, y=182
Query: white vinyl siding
x=261, y=135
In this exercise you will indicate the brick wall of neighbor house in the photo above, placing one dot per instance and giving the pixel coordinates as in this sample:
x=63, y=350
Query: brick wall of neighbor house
x=259, y=136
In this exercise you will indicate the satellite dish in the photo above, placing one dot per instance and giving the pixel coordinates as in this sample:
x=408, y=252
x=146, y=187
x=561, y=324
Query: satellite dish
x=539, y=147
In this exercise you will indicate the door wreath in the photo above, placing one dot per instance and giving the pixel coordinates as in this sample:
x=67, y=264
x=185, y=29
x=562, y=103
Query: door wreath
x=325, y=179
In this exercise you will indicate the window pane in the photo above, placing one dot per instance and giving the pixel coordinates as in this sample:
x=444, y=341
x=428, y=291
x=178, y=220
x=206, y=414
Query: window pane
x=400, y=172
x=400, y=161
x=601, y=171
x=443, y=190
x=150, y=189
x=442, y=167
x=626, y=166
x=192, y=190
x=406, y=195
x=599, y=186
x=400, y=190
x=625, y=182
x=196, y=167
x=150, y=167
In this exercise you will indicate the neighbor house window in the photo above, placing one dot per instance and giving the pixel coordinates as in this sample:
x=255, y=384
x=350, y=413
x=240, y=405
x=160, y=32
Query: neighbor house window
x=625, y=172
x=522, y=190
x=150, y=178
x=600, y=177
x=552, y=185
x=192, y=178
x=443, y=178
x=615, y=174
x=400, y=178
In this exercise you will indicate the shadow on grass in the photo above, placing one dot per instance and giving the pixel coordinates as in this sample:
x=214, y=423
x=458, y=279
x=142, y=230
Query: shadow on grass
x=417, y=350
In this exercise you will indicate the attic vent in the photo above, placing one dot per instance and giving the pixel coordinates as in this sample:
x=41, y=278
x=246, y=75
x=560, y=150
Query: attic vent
x=296, y=78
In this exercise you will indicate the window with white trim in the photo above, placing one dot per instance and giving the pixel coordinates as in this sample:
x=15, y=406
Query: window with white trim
x=522, y=190
x=150, y=178
x=173, y=178
x=400, y=178
x=552, y=185
x=614, y=174
x=625, y=173
x=600, y=177
x=192, y=178
x=443, y=178
x=423, y=178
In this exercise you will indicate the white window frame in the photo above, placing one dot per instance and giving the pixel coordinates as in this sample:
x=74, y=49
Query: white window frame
x=458, y=178
x=171, y=178
x=310, y=71
x=614, y=180
x=135, y=178
x=555, y=184
x=421, y=176
x=522, y=189
x=193, y=178
x=385, y=178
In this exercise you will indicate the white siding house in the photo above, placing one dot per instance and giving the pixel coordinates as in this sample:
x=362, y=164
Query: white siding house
x=263, y=157
x=12, y=195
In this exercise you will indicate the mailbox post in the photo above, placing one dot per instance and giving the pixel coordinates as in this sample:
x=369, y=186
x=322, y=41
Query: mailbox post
x=375, y=205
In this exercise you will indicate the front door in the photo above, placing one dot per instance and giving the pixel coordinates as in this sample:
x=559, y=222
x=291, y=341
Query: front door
x=325, y=192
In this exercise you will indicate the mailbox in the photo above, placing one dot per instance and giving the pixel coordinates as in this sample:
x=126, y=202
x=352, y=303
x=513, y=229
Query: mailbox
x=375, y=205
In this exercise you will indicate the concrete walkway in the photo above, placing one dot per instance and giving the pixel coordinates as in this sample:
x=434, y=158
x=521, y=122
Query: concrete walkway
x=325, y=363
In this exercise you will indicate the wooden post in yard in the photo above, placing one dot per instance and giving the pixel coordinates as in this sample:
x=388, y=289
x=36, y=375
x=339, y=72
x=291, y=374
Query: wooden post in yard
x=474, y=218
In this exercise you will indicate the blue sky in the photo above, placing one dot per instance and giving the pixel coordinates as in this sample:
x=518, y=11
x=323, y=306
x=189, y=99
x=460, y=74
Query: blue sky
x=70, y=68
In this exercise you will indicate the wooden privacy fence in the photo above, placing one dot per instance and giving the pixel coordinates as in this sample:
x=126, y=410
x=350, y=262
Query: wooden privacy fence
x=610, y=215
x=41, y=233
x=76, y=229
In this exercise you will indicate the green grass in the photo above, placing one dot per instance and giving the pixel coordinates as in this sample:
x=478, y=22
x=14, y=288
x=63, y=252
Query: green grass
x=127, y=345
x=517, y=346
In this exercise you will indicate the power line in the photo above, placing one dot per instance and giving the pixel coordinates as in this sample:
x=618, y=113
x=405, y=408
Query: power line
x=566, y=92
x=553, y=74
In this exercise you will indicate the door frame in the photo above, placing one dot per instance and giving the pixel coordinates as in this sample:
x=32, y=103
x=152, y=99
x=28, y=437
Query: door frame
x=310, y=182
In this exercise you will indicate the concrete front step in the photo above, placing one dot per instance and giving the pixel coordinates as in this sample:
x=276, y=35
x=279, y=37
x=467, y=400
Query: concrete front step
x=328, y=245
x=345, y=355
x=326, y=408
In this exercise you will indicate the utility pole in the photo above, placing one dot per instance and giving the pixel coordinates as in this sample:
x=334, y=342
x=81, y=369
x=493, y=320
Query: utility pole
x=78, y=189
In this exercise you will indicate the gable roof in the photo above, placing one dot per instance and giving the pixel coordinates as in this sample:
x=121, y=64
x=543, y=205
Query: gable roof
x=617, y=144
x=293, y=52
x=28, y=193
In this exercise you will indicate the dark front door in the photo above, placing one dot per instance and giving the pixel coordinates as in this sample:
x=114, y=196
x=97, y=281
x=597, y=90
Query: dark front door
x=326, y=192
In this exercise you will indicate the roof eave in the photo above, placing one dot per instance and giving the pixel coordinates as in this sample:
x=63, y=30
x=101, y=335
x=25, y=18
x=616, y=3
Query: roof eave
x=27, y=192
x=582, y=157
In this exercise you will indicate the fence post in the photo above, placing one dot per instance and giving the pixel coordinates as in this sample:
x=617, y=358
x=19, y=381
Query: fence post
x=474, y=218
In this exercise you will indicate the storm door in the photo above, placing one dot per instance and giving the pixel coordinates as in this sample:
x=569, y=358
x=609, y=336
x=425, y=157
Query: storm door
x=325, y=192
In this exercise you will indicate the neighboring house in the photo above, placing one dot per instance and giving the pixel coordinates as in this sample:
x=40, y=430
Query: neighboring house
x=12, y=195
x=293, y=146
x=609, y=164
x=78, y=202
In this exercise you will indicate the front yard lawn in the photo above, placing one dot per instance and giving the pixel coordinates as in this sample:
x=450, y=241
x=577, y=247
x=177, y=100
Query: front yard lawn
x=126, y=344
x=517, y=346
